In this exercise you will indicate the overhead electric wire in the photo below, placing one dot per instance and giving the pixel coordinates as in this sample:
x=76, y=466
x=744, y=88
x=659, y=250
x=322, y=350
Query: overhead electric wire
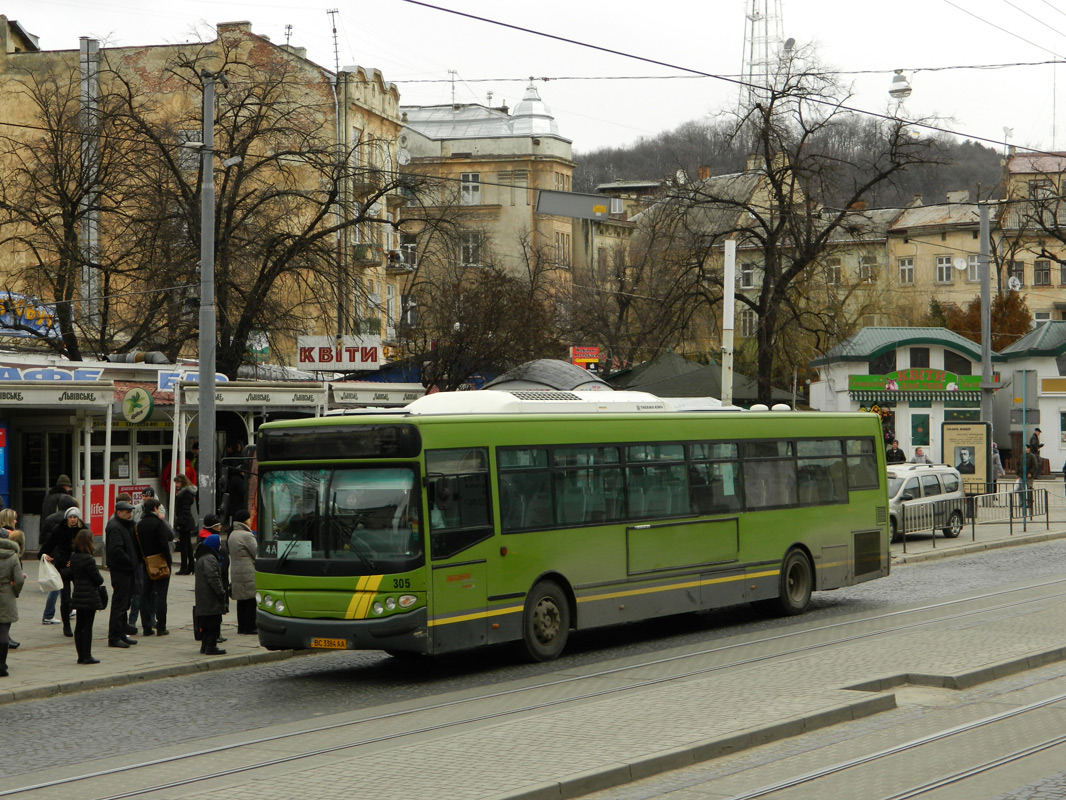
x=724, y=78
x=999, y=27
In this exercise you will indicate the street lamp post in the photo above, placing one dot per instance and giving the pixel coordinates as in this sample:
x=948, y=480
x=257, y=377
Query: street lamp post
x=206, y=413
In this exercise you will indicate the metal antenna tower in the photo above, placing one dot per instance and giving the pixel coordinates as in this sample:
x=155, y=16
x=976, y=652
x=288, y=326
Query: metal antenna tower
x=763, y=41
x=288, y=34
x=336, y=52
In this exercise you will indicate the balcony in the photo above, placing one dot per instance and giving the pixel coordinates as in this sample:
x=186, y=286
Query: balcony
x=367, y=179
x=402, y=260
x=367, y=255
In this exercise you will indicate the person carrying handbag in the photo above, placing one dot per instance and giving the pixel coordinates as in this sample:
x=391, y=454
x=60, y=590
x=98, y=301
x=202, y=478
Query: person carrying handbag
x=155, y=536
x=12, y=579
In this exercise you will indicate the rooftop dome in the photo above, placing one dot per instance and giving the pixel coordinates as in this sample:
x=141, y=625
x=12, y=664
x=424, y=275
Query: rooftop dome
x=532, y=117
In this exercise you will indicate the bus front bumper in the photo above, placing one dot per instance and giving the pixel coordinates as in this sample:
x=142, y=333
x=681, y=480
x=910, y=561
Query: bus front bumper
x=400, y=632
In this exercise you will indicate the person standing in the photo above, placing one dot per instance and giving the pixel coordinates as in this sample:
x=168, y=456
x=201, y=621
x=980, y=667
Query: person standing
x=86, y=595
x=57, y=549
x=138, y=510
x=210, y=594
x=12, y=579
x=243, y=549
x=155, y=536
x=997, y=463
x=122, y=560
x=1027, y=468
x=894, y=455
x=63, y=487
x=1034, y=441
x=185, y=521
x=920, y=457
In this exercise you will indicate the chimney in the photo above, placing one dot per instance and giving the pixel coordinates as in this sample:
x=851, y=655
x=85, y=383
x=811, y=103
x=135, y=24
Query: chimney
x=858, y=205
x=234, y=27
x=703, y=172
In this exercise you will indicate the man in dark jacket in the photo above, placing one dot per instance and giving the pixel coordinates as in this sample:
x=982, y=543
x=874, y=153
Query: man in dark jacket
x=122, y=560
x=51, y=500
x=155, y=536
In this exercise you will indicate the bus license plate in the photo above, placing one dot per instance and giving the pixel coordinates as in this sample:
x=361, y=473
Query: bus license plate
x=330, y=644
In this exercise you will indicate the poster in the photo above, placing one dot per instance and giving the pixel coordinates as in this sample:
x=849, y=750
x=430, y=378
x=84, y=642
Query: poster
x=967, y=447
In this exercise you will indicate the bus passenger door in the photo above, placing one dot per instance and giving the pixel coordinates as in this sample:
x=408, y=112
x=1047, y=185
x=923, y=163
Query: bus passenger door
x=460, y=533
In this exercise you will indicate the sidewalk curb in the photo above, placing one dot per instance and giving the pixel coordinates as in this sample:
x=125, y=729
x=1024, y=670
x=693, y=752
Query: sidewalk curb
x=72, y=687
x=977, y=547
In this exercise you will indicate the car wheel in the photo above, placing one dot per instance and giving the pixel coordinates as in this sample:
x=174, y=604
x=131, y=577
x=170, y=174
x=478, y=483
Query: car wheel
x=894, y=531
x=954, y=527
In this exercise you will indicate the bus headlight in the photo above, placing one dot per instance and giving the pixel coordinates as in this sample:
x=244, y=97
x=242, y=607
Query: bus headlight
x=258, y=598
x=378, y=608
x=268, y=601
x=279, y=606
x=407, y=600
x=390, y=603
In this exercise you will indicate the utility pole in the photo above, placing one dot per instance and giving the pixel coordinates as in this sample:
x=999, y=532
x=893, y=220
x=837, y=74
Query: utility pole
x=987, y=386
x=206, y=413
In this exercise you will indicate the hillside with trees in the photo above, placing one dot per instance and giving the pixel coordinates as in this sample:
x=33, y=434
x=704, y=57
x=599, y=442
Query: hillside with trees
x=967, y=165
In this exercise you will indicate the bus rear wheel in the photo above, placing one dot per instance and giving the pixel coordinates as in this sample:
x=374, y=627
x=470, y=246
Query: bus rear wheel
x=796, y=585
x=545, y=621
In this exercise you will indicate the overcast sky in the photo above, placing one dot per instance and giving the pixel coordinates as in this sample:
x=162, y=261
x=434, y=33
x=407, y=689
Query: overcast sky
x=937, y=42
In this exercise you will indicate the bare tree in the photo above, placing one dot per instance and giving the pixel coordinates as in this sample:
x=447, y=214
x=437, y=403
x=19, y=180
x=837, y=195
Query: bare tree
x=800, y=200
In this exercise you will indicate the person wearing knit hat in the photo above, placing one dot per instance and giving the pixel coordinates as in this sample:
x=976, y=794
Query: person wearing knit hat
x=210, y=593
x=61, y=489
x=212, y=524
x=59, y=531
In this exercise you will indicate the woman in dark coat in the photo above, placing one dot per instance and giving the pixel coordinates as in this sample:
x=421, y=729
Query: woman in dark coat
x=211, y=601
x=155, y=536
x=85, y=597
x=57, y=549
x=185, y=521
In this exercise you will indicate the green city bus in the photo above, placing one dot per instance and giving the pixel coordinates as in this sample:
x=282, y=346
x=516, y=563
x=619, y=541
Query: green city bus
x=474, y=518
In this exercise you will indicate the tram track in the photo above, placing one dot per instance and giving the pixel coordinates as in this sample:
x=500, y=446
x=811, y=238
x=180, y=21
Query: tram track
x=249, y=744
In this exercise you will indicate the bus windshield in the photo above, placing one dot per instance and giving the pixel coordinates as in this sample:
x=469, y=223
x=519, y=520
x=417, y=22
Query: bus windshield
x=367, y=517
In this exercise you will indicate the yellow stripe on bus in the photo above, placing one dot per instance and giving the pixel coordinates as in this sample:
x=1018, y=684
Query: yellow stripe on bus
x=364, y=595
x=607, y=596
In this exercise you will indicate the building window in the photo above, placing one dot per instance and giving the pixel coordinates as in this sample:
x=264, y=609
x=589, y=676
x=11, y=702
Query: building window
x=470, y=249
x=867, y=269
x=1041, y=189
x=906, y=270
x=1062, y=274
x=747, y=276
x=617, y=206
x=409, y=249
x=833, y=272
x=960, y=365
x=471, y=188
x=945, y=273
x=562, y=249
x=973, y=269
x=920, y=357
x=748, y=323
x=390, y=312
x=1041, y=273
x=1016, y=269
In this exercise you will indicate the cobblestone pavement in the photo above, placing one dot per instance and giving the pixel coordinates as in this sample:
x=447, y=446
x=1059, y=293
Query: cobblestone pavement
x=260, y=689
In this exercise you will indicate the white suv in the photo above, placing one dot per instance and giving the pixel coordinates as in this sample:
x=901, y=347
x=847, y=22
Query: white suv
x=923, y=497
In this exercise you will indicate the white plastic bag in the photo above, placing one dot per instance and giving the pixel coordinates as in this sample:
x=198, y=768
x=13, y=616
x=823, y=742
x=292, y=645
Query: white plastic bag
x=48, y=577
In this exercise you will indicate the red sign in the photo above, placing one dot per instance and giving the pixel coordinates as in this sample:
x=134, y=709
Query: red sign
x=584, y=355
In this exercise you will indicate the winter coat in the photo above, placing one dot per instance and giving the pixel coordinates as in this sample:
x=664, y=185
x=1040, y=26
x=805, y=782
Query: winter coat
x=11, y=580
x=51, y=501
x=184, y=519
x=210, y=592
x=155, y=536
x=243, y=549
x=87, y=578
x=122, y=554
x=60, y=543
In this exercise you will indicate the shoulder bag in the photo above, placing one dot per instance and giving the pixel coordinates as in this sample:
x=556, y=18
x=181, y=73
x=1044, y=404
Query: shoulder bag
x=157, y=567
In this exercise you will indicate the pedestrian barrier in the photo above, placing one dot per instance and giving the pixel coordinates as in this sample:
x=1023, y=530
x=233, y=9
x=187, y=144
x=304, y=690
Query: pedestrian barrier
x=1015, y=507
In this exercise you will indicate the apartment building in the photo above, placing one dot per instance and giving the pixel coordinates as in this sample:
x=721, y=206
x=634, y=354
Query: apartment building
x=491, y=161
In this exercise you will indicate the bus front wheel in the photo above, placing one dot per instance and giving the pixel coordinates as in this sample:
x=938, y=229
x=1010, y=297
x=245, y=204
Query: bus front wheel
x=795, y=587
x=545, y=621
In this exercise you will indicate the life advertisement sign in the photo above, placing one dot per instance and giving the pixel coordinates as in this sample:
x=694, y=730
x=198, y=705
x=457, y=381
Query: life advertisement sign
x=584, y=355
x=338, y=354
